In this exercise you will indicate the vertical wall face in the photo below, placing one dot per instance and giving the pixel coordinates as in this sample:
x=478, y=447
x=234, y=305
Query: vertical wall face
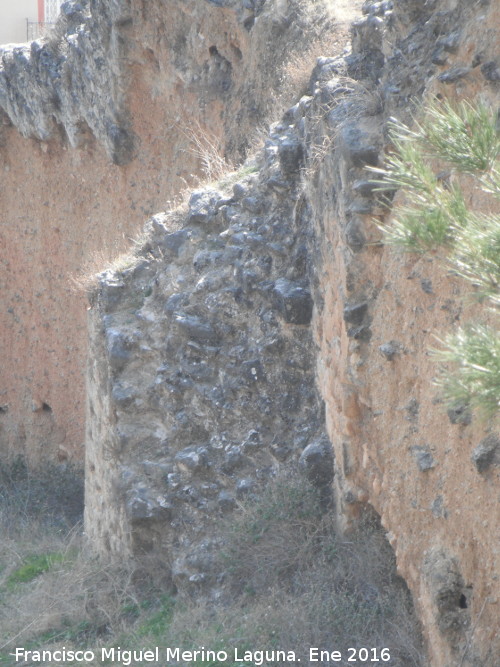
x=54, y=202
x=201, y=373
x=101, y=126
x=396, y=447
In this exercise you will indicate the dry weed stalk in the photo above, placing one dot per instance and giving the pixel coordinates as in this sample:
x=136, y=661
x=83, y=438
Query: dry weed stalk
x=208, y=149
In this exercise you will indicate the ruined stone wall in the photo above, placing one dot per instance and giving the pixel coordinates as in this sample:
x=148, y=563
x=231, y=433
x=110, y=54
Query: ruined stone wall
x=100, y=127
x=206, y=353
x=201, y=375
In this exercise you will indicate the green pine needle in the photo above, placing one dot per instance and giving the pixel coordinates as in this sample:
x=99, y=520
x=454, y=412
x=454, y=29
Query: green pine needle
x=451, y=139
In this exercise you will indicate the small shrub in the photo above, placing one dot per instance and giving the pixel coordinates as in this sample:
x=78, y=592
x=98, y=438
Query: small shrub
x=208, y=150
x=476, y=255
x=155, y=625
x=423, y=162
x=313, y=588
x=283, y=553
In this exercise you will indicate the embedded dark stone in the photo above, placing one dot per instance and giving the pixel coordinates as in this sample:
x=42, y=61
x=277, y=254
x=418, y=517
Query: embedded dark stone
x=426, y=285
x=350, y=498
x=202, y=206
x=355, y=236
x=451, y=42
x=490, y=71
x=449, y=593
x=252, y=204
x=197, y=329
x=439, y=56
x=358, y=147
x=360, y=206
x=477, y=59
x=226, y=501
x=239, y=191
x=362, y=332
x=367, y=34
x=438, y=509
x=423, y=458
x=176, y=240
x=281, y=452
x=112, y=294
x=317, y=462
x=245, y=487
x=74, y=11
x=252, y=370
x=293, y=301
x=365, y=188
x=487, y=453
x=118, y=350
x=324, y=70
x=277, y=184
x=248, y=23
x=413, y=408
x=377, y=8
x=233, y=459
x=122, y=144
x=355, y=313
x=454, y=74
x=389, y=350
x=123, y=396
x=199, y=370
x=460, y=414
x=252, y=442
x=206, y=258
x=141, y=507
x=192, y=458
x=291, y=155
x=175, y=301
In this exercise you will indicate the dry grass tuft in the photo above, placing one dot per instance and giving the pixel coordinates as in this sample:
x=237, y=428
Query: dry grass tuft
x=288, y=581
x=208, y=150
x=283, y=553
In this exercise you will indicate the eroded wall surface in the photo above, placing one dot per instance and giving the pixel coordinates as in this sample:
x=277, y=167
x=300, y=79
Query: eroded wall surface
x=102, y=125
x=396, y=447
x=218, y=342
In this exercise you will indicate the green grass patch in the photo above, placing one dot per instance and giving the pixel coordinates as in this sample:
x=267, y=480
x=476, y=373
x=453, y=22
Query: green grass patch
x=156, y=625
x=33, y=567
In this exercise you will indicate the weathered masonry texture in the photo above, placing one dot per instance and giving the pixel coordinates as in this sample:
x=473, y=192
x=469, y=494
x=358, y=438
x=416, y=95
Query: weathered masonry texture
x=263, y=325
x=98, y=130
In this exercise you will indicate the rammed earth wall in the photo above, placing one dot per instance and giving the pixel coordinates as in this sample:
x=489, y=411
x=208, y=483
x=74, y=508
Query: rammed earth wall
x=98, y=129
x=395, y=445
